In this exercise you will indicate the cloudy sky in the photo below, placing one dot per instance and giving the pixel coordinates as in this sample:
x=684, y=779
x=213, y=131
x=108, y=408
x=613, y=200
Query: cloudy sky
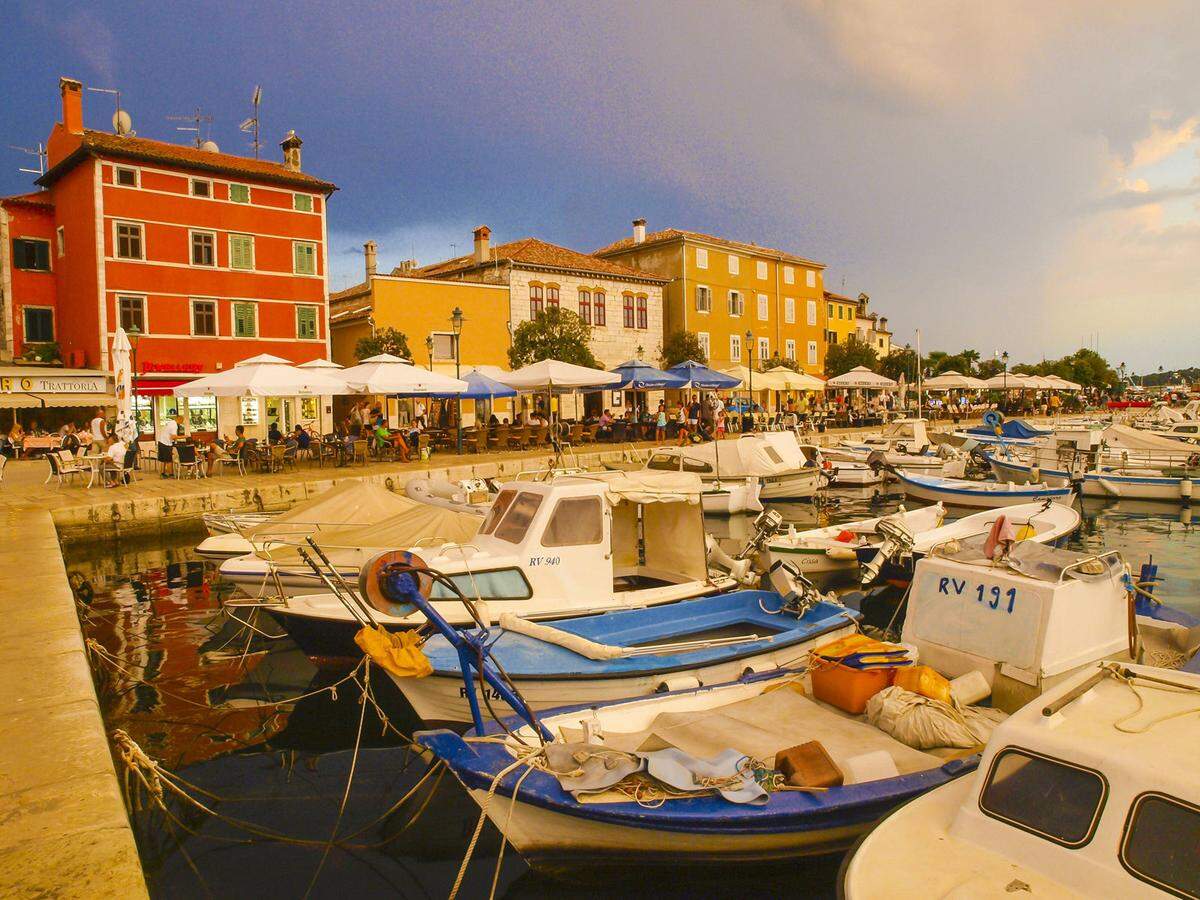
x=1009, y=175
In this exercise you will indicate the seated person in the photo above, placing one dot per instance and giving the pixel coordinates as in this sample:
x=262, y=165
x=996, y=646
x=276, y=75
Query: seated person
x=301, y=437
x=70, y=440
x=114, y=462
x=274, y=435
x=231, y=450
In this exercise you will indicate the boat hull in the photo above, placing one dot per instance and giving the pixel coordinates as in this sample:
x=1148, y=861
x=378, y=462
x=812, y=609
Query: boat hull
x=731, y=498
x=982, y=498
x=815, y=563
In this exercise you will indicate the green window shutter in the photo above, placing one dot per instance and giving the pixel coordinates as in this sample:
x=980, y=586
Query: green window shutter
x=306, y=322
x=243, y=320
x=241, y=252
x=239, y=193
x=302, y=202
x=304, y=259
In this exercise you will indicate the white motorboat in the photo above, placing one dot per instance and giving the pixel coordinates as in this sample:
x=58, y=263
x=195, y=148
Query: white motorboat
x=782, y=467
x=904, y=442
x=1166, y=484
x=848, y=473
x=224, y=523
x=473, y=495
x=1089, y=791
x=828, y=555
x=968, y=494
x=348, y=503
x=547, y=549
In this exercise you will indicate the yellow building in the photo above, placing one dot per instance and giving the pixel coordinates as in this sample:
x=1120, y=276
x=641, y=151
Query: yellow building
x=840, y=314
x=722, y=289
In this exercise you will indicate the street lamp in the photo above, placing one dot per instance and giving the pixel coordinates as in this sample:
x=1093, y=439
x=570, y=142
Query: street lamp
x=456, y=323
x=1004, y=359
x=429, y=350
x=750, y=368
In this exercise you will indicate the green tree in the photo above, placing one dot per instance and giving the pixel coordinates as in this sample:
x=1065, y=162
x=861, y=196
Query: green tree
x=841, y=358
x=555, y=334
x=970, y=360
x=783, y=362
x=902, y=361
x=384, y=340
x=680, y=346
x=988, y=368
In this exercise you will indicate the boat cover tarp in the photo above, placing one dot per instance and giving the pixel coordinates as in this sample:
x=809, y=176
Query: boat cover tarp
x=1012, y=428
x=1122, y=437
x=1041, y=561
x=346, y=503
x=760, y=455
x=647, y=486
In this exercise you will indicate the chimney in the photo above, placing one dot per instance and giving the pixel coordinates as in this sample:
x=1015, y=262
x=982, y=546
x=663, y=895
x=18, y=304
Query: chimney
x=291, y=151
x=72, y=105
x=370, y=256
x=639, y=231
x=483, y=242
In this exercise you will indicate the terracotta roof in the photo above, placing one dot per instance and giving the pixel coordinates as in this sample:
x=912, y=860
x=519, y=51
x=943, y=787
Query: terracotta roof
x=100, y=143
x=539, y=254
x=346, y=293
x=349, y=315
x=675, y=234
x=830, y=295
x=37, y=198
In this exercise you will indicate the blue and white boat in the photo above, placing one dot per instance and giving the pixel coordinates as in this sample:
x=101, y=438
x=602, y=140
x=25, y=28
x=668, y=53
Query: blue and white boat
x=961, y=492
x=632, y=653
x=1168, y=483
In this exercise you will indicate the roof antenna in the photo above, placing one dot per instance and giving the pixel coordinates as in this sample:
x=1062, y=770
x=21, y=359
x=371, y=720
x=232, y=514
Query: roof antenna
x=199, y=117
x=39, y=152
x=121, y=123
x=251, y=124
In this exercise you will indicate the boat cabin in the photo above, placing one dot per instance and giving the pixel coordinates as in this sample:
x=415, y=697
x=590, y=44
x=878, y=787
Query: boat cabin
x=1024, y=631
x=909, y=432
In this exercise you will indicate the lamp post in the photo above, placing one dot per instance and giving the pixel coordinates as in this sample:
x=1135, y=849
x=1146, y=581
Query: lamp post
x=133, y=334
x=456, y=323
x=1004, y=359
x=750, y=369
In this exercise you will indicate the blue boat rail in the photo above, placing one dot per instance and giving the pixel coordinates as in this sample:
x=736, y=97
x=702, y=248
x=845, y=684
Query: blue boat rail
x=400, y=582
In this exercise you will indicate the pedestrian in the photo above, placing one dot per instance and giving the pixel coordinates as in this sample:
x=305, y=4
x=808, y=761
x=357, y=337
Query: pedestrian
x=165, y=436
x=660, y=423
x=99, y=429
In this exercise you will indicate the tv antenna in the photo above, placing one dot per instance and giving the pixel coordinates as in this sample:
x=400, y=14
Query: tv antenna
x=198, y=118
x=121, y=123
x=40, y=152
x=251, y=124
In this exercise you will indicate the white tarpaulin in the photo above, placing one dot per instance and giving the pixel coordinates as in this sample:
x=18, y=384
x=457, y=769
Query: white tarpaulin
x=346, y=503
x=644, y=486
x=1122, y=437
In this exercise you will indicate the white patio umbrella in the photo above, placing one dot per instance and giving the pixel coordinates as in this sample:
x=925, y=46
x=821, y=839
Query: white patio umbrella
x=122, y=376
x=387, y=374
x=863, y=378
x=1062, y=384
x=550, y=374
x=1012, y=381
x=795, y=381
x=763, y=381
x=320, y=364
x=265, y=376
x=953, y=381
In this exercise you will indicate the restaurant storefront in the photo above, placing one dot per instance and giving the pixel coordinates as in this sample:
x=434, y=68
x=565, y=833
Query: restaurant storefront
x=44, y=399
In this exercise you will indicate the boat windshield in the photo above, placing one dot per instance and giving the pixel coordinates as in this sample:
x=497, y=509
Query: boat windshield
x=516, y=520
x=496, y=584
x=576, y=521
x=499, y=507
x=1050, y=798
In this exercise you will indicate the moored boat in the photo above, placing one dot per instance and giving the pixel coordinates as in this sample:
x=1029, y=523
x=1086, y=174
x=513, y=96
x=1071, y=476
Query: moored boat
x=961, y=492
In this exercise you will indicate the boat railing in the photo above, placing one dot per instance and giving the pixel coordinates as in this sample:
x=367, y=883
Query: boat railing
x=1107, y=558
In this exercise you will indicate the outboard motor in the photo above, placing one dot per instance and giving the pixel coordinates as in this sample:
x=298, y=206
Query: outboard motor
x=741, y=566
x=799, y=594
x=898, y=540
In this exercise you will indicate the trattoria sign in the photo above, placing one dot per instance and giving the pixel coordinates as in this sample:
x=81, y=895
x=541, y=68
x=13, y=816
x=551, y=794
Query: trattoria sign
x=53, y=384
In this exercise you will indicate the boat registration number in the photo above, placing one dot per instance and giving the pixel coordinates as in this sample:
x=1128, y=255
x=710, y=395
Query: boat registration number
x=544, y=560
x=490, y=693
x=994, y=596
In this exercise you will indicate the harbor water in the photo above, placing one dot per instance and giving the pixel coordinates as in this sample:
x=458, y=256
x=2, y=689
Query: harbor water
x=215, y=703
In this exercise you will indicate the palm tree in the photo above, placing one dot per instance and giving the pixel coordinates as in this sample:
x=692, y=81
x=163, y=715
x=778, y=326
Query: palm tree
x=970, y=360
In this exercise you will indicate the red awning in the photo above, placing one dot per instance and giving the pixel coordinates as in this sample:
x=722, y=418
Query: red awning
x=159, y=387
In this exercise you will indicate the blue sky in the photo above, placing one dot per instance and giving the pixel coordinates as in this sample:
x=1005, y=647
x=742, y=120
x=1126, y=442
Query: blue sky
x=1011, y=176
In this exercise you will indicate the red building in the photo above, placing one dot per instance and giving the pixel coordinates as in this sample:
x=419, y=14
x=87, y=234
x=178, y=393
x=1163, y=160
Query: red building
x=208, y=257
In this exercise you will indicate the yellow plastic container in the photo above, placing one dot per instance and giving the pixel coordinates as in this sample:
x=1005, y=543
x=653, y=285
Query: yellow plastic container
x=924, y=681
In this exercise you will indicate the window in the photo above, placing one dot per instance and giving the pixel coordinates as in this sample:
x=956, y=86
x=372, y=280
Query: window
x=764, y=348
x=789, y=349
x=241, y=251
x=789, y=275
x=443, y=346
x=701, y=258
x=831, y=336
x=735, y=303
x=810, y=278
x=306, y=323
x=735, y=264
x=496, y=584
x=245, y=320
x=204, y=318
x=627, y=310
x=520, y=514
x=499, y=507
x=702, y=340
x=131, y=313
x=201, y=187
x=39, y=324
x=32, y=254
x=202, y=413
x=703, y=299
x=60, y=235
x=585, y=305
x=239, y=193
x=204, y=248
x=304, y=258
x=302, y=202
x=760, y=269
x=735, y=348
x=249, y=410
x=599, y=313
x=1052, y=799
x=764, y=307
x=812, y=312
x=552, y=296
x=789, y=310
x=812, y=353
x=643, y=312
x=575, y=522
x=537, y=300
x=829, y=310
x=1161, y=837
x=127, y=177
x=129, y=241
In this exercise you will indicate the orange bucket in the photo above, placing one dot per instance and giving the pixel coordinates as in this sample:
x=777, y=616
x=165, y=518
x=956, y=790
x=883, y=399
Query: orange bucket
x=846, y=688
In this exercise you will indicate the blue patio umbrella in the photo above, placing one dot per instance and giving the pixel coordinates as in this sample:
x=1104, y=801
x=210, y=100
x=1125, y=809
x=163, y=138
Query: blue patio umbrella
x=699, y=376
x=639, y=376
x=481, y=387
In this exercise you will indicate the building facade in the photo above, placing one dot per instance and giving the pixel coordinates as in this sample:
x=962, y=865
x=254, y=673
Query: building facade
x=871, y=328
x=204, y=257
x=841, y=314
x=722, y=289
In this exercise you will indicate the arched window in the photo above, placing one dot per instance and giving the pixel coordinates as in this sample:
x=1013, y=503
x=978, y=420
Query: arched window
x=643, y=313
x=627, y=310
x=552, y=295
x=599, y=313
x=536, y=300
x=585, y=305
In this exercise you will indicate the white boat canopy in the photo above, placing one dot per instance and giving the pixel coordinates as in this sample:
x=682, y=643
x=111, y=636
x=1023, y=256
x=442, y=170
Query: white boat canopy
x=953, y=381
x=645, y=486
x=265, y=376
x=796, y=381
x=863, y=378
x=553, y=375
x=387, y=374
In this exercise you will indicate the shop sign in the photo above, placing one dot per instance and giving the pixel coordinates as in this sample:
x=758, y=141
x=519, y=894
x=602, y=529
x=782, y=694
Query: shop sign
x=54, y=384
x=185, y=368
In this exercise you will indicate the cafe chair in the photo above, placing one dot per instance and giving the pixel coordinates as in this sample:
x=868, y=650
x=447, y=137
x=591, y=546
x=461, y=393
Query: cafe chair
x=61, y=470
x=185, y=460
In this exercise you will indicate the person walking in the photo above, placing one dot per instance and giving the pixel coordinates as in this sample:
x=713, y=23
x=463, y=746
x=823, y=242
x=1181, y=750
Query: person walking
x=660, y=423
x=165, y=436
x=99, y=429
